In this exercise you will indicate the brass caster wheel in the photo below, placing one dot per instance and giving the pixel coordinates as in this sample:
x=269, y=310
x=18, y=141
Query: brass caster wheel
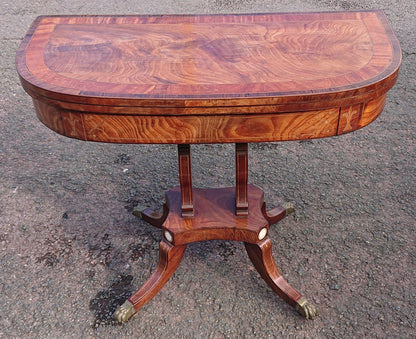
x=306, y=309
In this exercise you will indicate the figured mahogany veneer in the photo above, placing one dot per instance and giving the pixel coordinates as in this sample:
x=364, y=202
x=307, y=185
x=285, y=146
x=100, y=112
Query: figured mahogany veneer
x=210, y=79
x=215, y=216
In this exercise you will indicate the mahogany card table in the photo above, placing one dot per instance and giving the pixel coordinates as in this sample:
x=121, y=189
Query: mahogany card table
x=187, y=79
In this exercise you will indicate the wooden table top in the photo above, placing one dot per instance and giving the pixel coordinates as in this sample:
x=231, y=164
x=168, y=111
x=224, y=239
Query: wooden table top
x=209, y=78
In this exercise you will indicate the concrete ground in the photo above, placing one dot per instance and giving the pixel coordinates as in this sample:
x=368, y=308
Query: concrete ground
x=71, y=251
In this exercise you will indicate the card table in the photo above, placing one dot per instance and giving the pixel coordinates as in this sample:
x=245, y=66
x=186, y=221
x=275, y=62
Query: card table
x=188, y=79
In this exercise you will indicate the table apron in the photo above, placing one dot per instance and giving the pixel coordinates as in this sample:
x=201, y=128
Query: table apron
x=191, y=129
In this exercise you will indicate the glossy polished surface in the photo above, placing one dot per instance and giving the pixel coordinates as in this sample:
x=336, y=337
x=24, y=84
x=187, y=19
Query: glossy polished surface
x=209, y=78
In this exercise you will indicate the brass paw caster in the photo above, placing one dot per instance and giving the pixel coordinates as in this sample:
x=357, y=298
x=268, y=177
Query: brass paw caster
x=124, y=312
x=289, y=207
x=306, y=309
x=137, y=211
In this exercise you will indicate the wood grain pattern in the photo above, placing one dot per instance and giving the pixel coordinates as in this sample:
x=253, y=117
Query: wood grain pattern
x=274, y=215
x=261, y=256
x=210, y=79
x=357, y=116
x=190, y=56
x=192, y=129
x=169, y=259
x=241, y=179
x=215, y=216
x=185, y=180
x=152, y=217
x=180, y=79
x=349, y=118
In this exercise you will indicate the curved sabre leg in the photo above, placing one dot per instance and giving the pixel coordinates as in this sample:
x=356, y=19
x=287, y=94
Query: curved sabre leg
x=169, y=259
x=153, y=218
x=278, y=213
x=262, y=259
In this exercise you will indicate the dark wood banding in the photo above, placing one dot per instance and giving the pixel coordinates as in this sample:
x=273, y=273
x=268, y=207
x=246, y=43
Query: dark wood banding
x=140, y=79
x=210, y=79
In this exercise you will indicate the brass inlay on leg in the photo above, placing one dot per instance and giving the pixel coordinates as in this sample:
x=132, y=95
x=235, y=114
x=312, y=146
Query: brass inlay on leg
x=306, y=309
x=124, y=312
